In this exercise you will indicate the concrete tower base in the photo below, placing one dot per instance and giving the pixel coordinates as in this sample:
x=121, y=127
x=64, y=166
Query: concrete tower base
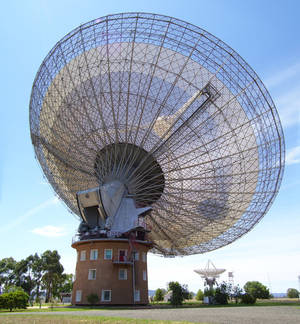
x=108, y=268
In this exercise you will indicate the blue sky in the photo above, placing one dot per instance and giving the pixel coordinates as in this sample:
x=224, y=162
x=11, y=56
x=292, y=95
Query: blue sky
x=264, y=33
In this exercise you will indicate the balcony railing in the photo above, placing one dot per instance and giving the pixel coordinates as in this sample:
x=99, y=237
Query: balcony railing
x=102, y=234
x=122, y=260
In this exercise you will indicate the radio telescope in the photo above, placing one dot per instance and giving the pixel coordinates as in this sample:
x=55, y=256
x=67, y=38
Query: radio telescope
x=210, y=274
x=151, y=129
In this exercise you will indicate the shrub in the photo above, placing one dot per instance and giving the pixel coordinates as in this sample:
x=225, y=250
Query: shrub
x=248, y=299
x=209, y=292
x=199, y=295
x=2, y=302
x=177, y=296
x=222, y=294
x=292, y=293
x=257, y=290
x=159, y=295
x=93, y=299
x=236, y=293
x=21, y=299
x=14, y=299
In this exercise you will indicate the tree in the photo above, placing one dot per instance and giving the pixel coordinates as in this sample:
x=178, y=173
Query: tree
x=237, y=293
x=199, y=295
x=292, y=293
x=53, y=270
x=65, y=285
x=222, y=293
x=37, y=273
x=7, y=266
x=209, y=292
x=159, y=295
x=23, y=275
x=93, y=299
x=177, y=293
x=185, y=292
x=257, y=290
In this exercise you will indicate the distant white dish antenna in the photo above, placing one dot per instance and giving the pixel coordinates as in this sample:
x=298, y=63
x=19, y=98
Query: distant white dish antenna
x=210, y=273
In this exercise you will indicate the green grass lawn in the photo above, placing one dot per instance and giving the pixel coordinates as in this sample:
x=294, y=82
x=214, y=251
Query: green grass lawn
x=66, y=319
x=259, y=302
x=187, y=304
x=50, y=309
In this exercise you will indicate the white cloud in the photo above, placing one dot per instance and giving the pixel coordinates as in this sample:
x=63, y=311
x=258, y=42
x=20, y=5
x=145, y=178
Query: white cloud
x=22, y=218
x=283, y=75
x=288, y=105
x=286, y=86
x=50, y=231
x=293, y=156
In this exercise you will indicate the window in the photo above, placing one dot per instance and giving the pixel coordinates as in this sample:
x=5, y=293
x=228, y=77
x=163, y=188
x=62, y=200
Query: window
x=78, y=296
x=107, y=254
x=144, y=257
x=94, y=254
x=92, y=274
x=122, y=255
x=82, y=255
x=144, y=275
x=137, y=295
x=106, y=295
x=122, y=274
x=136, y=256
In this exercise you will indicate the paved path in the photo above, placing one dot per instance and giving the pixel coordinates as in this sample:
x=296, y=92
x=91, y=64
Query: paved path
x=219, y=315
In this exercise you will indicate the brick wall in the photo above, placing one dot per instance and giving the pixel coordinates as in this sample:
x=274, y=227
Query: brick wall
x=107, y=273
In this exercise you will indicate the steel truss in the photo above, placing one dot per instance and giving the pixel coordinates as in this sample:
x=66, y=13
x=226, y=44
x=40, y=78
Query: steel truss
x=173, y=112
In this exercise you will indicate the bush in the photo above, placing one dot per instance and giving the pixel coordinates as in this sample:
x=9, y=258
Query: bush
x=2, y=302
x=221, y=298
x=177, y=293
x=14, y=299
x=292, y=293
x=185, y=292
x=93, y=299
x=236, y=293
x=12, y=288
x=21, y=299
x=159, y=295
x=209, y=292
x=222, y=294
x=257, y=290
x=199, y=295
x=248, y=299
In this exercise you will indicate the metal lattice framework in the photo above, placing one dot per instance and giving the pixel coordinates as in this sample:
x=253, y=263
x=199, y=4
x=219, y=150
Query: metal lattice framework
x=172, y=112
